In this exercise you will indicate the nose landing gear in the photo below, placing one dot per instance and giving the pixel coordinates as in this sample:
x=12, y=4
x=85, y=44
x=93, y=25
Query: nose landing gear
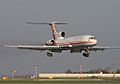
x=86, y=53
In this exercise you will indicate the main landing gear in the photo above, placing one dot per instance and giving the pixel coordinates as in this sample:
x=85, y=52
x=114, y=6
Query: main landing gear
x=49, y=54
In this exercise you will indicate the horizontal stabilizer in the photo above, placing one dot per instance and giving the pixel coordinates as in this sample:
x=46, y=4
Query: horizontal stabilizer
x=49, y=23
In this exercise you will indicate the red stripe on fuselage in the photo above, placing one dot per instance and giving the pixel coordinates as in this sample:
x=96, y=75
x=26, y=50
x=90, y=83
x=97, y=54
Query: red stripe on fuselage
x=78, y=43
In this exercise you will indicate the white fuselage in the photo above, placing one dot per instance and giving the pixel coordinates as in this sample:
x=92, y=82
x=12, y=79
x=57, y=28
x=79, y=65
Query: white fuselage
x=85, y=40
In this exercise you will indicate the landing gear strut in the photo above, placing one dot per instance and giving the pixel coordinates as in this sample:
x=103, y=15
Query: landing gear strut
x=49, y=54
x=86, y=53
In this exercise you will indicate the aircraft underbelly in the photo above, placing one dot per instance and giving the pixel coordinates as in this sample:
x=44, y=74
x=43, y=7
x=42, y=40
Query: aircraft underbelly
x=82, y=45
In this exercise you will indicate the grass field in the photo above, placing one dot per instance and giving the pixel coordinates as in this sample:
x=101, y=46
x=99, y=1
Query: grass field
x=61, y=81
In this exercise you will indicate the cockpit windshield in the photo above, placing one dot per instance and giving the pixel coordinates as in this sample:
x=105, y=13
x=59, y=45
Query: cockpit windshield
x=92, y=37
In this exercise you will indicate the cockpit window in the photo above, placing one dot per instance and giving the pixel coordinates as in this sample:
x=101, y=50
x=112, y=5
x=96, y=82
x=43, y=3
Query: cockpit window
x=92, y=38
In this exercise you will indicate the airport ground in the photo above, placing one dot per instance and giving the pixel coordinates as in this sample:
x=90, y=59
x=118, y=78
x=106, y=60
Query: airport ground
x=61, y=81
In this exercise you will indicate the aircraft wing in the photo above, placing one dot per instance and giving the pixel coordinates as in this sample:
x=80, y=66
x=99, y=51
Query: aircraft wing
x=32, y=47
x=95, y=48
x=56, y=47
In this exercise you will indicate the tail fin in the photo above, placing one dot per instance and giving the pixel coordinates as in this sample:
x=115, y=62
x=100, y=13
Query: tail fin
x=53, y=27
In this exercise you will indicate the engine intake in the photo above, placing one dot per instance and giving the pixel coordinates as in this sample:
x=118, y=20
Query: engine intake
x=50, y=42
x=62, y=34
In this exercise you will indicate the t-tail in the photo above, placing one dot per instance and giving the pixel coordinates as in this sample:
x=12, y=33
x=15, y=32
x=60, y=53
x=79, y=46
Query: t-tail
x=55, y=34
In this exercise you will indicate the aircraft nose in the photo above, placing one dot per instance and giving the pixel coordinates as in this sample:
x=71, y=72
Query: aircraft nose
x=95, y=41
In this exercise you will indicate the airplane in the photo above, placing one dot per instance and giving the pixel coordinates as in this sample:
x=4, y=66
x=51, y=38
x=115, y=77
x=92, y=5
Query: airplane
x=78, y=44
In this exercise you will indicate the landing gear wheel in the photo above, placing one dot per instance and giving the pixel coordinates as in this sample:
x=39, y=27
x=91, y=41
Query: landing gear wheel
x=49, y=54
x=85, y=54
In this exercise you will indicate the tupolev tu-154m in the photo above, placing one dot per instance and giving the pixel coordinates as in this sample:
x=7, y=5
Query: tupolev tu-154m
x=77, y=44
